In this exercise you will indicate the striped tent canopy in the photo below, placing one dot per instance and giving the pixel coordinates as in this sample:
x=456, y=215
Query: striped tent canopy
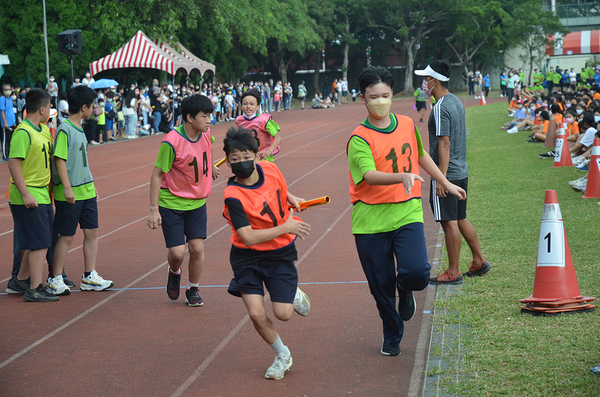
x=141, y=52
x=575, y=43
x=186, y=56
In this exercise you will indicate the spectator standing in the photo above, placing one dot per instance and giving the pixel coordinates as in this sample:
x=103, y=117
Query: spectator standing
x=20, y=106
x=471, y=78
x=8, y=119
x=229, y=105
x=302, y=94
x=486, y=84
x=277, y=96
x=88, y=79
x=550, y=81
x=289, y=93
x=448, y=149
x=573, y=79
x=63, y=108
x=271, y=96
x=503, y=79
x=145, y=107
x=477, y=85
x=109, y=108
x=52, y=89
x=344, y=88
x=130, y=113
x=510, y=86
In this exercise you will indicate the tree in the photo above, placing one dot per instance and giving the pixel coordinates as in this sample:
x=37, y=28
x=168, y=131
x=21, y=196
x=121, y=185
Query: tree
x=350, y=18
x=532, y=27
x=410, y=21
x=473, y=25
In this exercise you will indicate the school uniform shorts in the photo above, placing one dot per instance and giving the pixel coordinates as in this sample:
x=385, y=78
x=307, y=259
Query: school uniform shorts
x=33, y=227
x=181, y=226
x=279, y=276
x=83, y=213
x=448, y=208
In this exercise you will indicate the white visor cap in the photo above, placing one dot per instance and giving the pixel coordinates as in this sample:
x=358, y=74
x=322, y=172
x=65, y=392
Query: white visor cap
x=428, y=71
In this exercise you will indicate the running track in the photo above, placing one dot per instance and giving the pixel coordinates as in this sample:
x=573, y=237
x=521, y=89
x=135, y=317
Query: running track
x=134, y=341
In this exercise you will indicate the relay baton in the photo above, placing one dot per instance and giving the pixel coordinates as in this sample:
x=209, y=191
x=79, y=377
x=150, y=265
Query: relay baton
x=221, y=162
x=312, y=203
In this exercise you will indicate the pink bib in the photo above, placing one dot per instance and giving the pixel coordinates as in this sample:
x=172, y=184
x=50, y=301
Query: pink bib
x=190, y=175
x=258, y=123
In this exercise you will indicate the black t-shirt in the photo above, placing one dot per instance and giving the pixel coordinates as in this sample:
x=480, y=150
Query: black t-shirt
x=240, y=257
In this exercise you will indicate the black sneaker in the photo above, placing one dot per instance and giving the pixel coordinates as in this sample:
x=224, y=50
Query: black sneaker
x=192, y=298
x=547, y=155
x=40, y=294
x=68, y=282
x=531, y=140
x=16, y=286
x=173, y=285
x=407, y=305
x=388, y=350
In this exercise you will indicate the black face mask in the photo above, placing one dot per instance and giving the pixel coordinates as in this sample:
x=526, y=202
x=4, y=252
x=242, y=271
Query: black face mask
x=243, y=169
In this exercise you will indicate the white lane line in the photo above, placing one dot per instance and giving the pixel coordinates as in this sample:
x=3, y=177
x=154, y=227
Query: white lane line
x=88, y=311
x=208, y=360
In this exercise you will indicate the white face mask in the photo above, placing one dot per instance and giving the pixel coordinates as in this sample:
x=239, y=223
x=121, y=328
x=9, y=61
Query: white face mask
x=13, y=97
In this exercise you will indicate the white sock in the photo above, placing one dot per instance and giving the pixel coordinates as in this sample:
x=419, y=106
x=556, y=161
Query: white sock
x=177, y=272
x=280, y=348
x=190, y=285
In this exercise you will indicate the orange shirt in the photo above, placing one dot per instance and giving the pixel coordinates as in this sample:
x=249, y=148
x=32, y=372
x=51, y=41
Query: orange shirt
x=546, y=124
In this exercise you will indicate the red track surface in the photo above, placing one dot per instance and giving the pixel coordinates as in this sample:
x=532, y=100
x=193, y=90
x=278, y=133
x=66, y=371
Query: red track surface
x=134, y=341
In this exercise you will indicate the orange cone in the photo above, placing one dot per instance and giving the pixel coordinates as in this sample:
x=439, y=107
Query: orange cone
x=562, y=154
x=555, y=288
x=592, y=189
x=482, y=101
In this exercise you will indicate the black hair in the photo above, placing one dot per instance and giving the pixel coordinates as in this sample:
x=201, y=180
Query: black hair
x=588, y=119
x=442, y=67
x=555, y=109
x=35, y=99
x=63, y=95
x=252, y=92
x=79, y=96
x=194, y=104
x=374, y=75
x=545, y=115
x=239, y=139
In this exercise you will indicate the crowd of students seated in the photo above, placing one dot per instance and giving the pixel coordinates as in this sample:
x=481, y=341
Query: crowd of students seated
x=578, y=112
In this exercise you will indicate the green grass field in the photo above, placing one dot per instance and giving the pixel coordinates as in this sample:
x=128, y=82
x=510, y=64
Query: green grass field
x=509, y=353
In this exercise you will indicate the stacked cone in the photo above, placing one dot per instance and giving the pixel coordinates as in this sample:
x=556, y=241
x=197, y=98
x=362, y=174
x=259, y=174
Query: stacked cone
x=555, y=288
x=562, y=154
x=482, y=101
x=592, y=188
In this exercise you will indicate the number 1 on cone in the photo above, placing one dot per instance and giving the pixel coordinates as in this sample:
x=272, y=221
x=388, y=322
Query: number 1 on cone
x=551, y=244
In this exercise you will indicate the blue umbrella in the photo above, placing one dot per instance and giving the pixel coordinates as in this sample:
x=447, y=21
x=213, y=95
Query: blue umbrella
x=103, y=83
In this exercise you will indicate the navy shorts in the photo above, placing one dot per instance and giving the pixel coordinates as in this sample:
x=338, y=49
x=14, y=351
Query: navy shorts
x=68, y=216
x=176, y=224
x=33, y=228
x=421, y=105
x=448, y=208
x=280, y=277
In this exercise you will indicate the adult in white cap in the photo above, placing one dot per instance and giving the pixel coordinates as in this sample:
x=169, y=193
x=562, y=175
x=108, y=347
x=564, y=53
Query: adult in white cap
x=448, y=149
x=384, y=155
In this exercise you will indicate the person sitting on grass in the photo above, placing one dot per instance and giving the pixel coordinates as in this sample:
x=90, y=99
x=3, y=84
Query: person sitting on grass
x=539, y=132
x=586, y=140
x=519, y=116
x=512, y=108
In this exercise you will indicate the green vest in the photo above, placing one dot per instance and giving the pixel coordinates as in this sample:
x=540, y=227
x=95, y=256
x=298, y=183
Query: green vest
x=77, y=161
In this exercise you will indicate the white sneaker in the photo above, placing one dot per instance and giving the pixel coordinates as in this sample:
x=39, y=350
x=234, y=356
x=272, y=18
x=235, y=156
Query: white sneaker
x=577, y=160
x=280, y=365
x=577, y=181
x=580, y=186
x=94, y=282
x=301, y=303
x=56, y=286
x=513, y=130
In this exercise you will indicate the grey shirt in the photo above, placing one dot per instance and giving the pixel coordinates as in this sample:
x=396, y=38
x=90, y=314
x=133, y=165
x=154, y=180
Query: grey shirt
x=448, y=119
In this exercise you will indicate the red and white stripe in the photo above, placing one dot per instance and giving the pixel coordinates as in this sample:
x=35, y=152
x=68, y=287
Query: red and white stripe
x=585, y=42
x=141, y=52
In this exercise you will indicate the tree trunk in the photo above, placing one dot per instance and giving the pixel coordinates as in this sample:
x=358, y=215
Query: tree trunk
x=282, y=69
x=346, y=49
x=410, y=61
x=316, y=75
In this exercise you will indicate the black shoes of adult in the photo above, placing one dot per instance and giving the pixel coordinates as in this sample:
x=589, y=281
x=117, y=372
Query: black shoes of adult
x=39, y=294
x=388, y=350
x=16, y=286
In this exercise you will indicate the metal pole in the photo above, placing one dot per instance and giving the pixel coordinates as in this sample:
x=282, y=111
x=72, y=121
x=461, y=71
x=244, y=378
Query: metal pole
x=46, y=43
x=72, y=74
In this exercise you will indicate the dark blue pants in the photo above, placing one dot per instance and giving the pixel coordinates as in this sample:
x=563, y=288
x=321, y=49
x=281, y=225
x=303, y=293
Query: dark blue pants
x=18, y=254
x=409, y=270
